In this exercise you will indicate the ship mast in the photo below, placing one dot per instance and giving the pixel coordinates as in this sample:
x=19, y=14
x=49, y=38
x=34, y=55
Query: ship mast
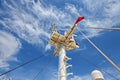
x=63, y=65
x=63, y=43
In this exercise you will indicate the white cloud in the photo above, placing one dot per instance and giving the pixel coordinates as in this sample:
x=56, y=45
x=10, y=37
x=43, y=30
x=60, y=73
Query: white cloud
x=33, y=22
x=2, y=77
x=48, y=47
x=113, y=12
x=9, y=45
x=102, y=13
x=84, y=77
x=72, y=9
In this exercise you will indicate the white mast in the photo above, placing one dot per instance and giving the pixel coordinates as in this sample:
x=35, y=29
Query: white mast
x=63, y=43
x=62, y=64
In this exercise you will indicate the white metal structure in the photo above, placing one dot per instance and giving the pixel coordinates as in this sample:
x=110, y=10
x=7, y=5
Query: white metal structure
x=97, y=75
x=62, y=64
x=63, y=43
x=67, y=42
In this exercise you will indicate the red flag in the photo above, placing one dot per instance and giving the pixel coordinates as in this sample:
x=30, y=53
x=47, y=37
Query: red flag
x=79, y=19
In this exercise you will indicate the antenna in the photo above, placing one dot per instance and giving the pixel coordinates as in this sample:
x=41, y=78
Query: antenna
x=53, y=28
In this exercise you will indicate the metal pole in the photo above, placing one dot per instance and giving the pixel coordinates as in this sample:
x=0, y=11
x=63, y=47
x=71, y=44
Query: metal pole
x=62, y=64
x=102, y=53
x=103, y=28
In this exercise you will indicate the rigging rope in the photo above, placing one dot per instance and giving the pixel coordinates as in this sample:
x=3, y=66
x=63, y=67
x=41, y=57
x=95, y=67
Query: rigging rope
x=107, y=58
x=22, y=65
x=99, y=67
x=103, y=28
x=43, y=68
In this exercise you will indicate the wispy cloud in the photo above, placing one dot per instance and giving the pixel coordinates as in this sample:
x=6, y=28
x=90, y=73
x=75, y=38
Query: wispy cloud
x=71, y=8
x=2, y=77
x=23, y=23
x=48, y=47
x=9, y=45
x=101, y=13
x=31, y=21
x=84, y=77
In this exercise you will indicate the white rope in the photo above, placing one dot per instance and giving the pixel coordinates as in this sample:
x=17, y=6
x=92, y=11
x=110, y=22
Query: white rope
x=100, y=51
x=103, y=28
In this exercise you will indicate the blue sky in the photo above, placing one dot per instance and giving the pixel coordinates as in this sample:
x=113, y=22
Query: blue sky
x=25, y=28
